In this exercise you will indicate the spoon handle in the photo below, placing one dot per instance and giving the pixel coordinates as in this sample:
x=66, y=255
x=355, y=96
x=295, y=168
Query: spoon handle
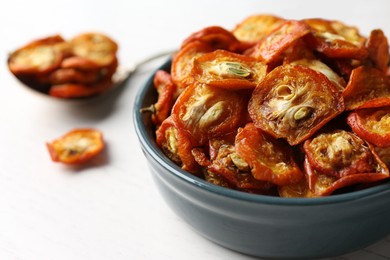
x=124, y=72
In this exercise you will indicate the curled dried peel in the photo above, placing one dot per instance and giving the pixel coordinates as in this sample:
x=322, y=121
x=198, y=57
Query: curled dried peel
x=367, y=88
x=183, y=63
x=372, y=125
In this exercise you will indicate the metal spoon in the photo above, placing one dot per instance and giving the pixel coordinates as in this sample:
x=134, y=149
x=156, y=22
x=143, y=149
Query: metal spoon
x=121, y=75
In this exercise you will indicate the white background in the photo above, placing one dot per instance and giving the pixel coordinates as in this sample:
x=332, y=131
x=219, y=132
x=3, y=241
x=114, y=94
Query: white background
x=111, y=209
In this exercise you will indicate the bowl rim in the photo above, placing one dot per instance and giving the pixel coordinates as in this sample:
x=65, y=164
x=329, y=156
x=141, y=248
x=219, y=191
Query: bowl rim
x=150, y=147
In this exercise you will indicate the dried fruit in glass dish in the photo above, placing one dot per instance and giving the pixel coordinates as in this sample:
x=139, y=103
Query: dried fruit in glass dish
x=77, y=146
x=293, y=102
x=373, y=125
x=228, y=70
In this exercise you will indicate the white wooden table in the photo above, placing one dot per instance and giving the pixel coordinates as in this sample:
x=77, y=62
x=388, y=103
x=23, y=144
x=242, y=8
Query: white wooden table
x=111, y=209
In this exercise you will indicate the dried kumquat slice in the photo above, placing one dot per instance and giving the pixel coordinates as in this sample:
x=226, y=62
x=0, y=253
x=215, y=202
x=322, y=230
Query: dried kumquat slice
x=96, y=47
x=373, y=125
x=367, y=88
x=38, y=57
x=271, y=48
x=206, y=112
x=339, y=153
x=378, y=49
x=183, y=63
x=321, y=67
x=79, y=90
x=166, y=90
x=269, y=159
x=228, y=165
x=293, y=102
x=256, y=27
x=324, y=185
x=296, y=190
x=228, y=70
x=336, y=40
x=177, y=145
x=77, y=146
x=216, y=37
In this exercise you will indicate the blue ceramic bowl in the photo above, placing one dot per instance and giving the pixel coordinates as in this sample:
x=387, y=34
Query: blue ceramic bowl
x=264, y=226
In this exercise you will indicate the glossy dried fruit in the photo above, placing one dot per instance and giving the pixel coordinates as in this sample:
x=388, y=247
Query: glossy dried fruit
x=283, y=37
x=166, y=96
x=367, y=88
x=339, y=153
x=216, y=37
x=256, y=27
x=372, y=125
x=77, y=146
x=77, y=68
x=264, y=108
x=324, y=185
x=205, y=111
x=378, y=49
x=226, y=164
x=336, y=40
x=269, y=159
x=38, y=57
x=293, y=102
x=177, y=145
x=183, y=62
x=79, y=90
x=228, y=70
x=96, y=47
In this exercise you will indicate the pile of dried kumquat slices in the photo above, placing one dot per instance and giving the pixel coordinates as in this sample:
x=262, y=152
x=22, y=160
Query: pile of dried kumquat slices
x=80, y=67
x=290, y=108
